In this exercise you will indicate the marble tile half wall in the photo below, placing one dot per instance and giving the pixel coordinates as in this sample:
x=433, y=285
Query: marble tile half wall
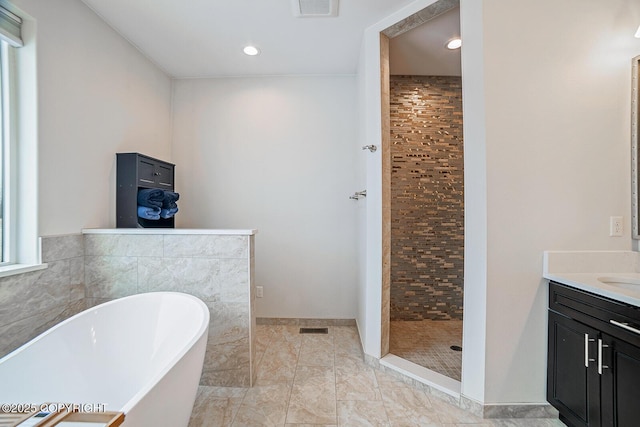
x=31, y=303
x=218, y=269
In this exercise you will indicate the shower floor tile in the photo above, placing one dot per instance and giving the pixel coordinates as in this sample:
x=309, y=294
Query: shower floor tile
x=428, y=343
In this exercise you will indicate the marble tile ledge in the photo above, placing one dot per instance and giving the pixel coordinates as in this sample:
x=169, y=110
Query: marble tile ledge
x=172, y=231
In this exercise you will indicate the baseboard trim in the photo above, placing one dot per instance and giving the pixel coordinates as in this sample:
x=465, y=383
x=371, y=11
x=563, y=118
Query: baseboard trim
x=520, y=411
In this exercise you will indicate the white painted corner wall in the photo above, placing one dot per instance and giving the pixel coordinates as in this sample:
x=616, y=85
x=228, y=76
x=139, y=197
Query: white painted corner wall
x=474, y=332
x=279, y=155
x=96, y=95
x=276, y=154
x=557, y=120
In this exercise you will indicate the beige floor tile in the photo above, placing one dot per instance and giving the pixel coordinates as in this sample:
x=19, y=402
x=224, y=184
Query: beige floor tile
x=317, y=350
x=347, y=340
x=263, y=338
x=450, y=414
x=310, y=425
x=354, y=362
x=216, y=406
x=405, y=403
x=355, y=380
x=313, y=396
x=278, y=364
x=263, y=406
x=467, y=425
x=409, y=423
x=362, y=414
x=298, y=387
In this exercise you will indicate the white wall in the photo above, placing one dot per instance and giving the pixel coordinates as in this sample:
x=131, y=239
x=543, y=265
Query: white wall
x=97, y=95
x=557, y=91
x=547, y=128
x=475, y=203
x=276, y=154
x=368, y=327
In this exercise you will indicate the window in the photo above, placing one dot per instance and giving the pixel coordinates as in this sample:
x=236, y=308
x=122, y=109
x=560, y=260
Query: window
x=3, y=168
x=10, y=32
x=19, y=248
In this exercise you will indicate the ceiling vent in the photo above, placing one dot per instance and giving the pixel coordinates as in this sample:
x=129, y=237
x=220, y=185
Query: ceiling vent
x=314, y=8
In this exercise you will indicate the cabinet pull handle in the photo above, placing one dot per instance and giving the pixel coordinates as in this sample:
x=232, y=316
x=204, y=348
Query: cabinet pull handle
x=157, y=173
x=587, y=340
x=600, y=365
x=625, y=326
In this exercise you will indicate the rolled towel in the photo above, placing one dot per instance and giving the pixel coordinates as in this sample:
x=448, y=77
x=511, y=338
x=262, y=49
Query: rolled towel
x=169, y=200
x=168, y=213
x=150, y=197
x=149, y=213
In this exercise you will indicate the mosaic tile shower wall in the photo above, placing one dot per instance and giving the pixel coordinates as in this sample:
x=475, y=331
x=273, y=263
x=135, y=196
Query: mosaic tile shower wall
x=427, y=199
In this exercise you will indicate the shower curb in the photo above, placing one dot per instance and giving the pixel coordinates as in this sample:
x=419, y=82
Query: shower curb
x=489, y=411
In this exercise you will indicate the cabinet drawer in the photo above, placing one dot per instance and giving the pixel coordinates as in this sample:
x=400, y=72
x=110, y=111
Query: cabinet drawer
x=164, y=175
x=596, y=311
x=154, y=173
x=146, y=171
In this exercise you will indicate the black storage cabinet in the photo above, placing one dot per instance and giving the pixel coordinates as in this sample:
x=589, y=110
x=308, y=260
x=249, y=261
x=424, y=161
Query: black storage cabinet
x=593, y=375
x=134, y=172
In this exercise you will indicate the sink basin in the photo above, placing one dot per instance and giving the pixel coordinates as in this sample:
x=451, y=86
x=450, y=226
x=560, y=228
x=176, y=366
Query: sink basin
x=621, y=281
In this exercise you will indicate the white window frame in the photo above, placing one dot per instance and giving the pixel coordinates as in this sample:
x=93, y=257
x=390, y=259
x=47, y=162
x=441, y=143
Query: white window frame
x=21, y=242
x=9, y=166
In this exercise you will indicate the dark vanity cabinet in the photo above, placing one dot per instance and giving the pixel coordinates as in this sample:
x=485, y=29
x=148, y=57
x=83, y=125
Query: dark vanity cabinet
x=593, y=371
x=134, y=172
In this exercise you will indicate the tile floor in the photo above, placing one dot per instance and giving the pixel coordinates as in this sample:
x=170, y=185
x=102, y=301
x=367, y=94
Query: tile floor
x=427, y=343
x=321, y=380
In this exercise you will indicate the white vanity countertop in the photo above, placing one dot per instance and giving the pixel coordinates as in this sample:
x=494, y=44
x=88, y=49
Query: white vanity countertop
x=169, y=231
x=589, y=282
x=582, y=269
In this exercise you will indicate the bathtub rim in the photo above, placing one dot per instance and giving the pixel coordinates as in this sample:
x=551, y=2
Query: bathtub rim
x=148, y=386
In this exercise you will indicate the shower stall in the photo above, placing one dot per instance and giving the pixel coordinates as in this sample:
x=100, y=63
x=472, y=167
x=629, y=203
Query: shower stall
x=426, y=194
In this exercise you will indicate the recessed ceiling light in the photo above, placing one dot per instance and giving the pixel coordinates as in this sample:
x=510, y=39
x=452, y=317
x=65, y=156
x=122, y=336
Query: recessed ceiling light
x=251, y=50
x=454, y=43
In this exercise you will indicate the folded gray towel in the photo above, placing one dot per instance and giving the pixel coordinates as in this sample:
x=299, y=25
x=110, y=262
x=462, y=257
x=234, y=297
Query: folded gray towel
x=168, y=213
x=150, y=197
x=169, y=200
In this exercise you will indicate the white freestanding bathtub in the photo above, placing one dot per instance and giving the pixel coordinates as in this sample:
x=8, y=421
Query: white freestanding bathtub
x=141, y=355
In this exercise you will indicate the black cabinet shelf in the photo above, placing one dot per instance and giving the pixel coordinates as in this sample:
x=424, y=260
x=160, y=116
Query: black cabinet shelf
x=593, y=366
x=136, y=171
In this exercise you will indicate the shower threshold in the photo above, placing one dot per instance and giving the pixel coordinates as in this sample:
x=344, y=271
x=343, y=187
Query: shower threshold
x=423, y=375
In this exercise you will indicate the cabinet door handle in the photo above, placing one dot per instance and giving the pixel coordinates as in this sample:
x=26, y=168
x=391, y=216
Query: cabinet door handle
x=600, y=365
x=157, y=173
x=625, y=326
x=587, y=340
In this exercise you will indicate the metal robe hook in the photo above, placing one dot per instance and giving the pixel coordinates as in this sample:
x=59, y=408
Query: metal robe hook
x=371, y=148
x=358, y=194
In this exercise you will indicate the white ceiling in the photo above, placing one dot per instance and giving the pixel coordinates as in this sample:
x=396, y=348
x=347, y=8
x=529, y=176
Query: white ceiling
x=204, y=38
x=421, y=51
